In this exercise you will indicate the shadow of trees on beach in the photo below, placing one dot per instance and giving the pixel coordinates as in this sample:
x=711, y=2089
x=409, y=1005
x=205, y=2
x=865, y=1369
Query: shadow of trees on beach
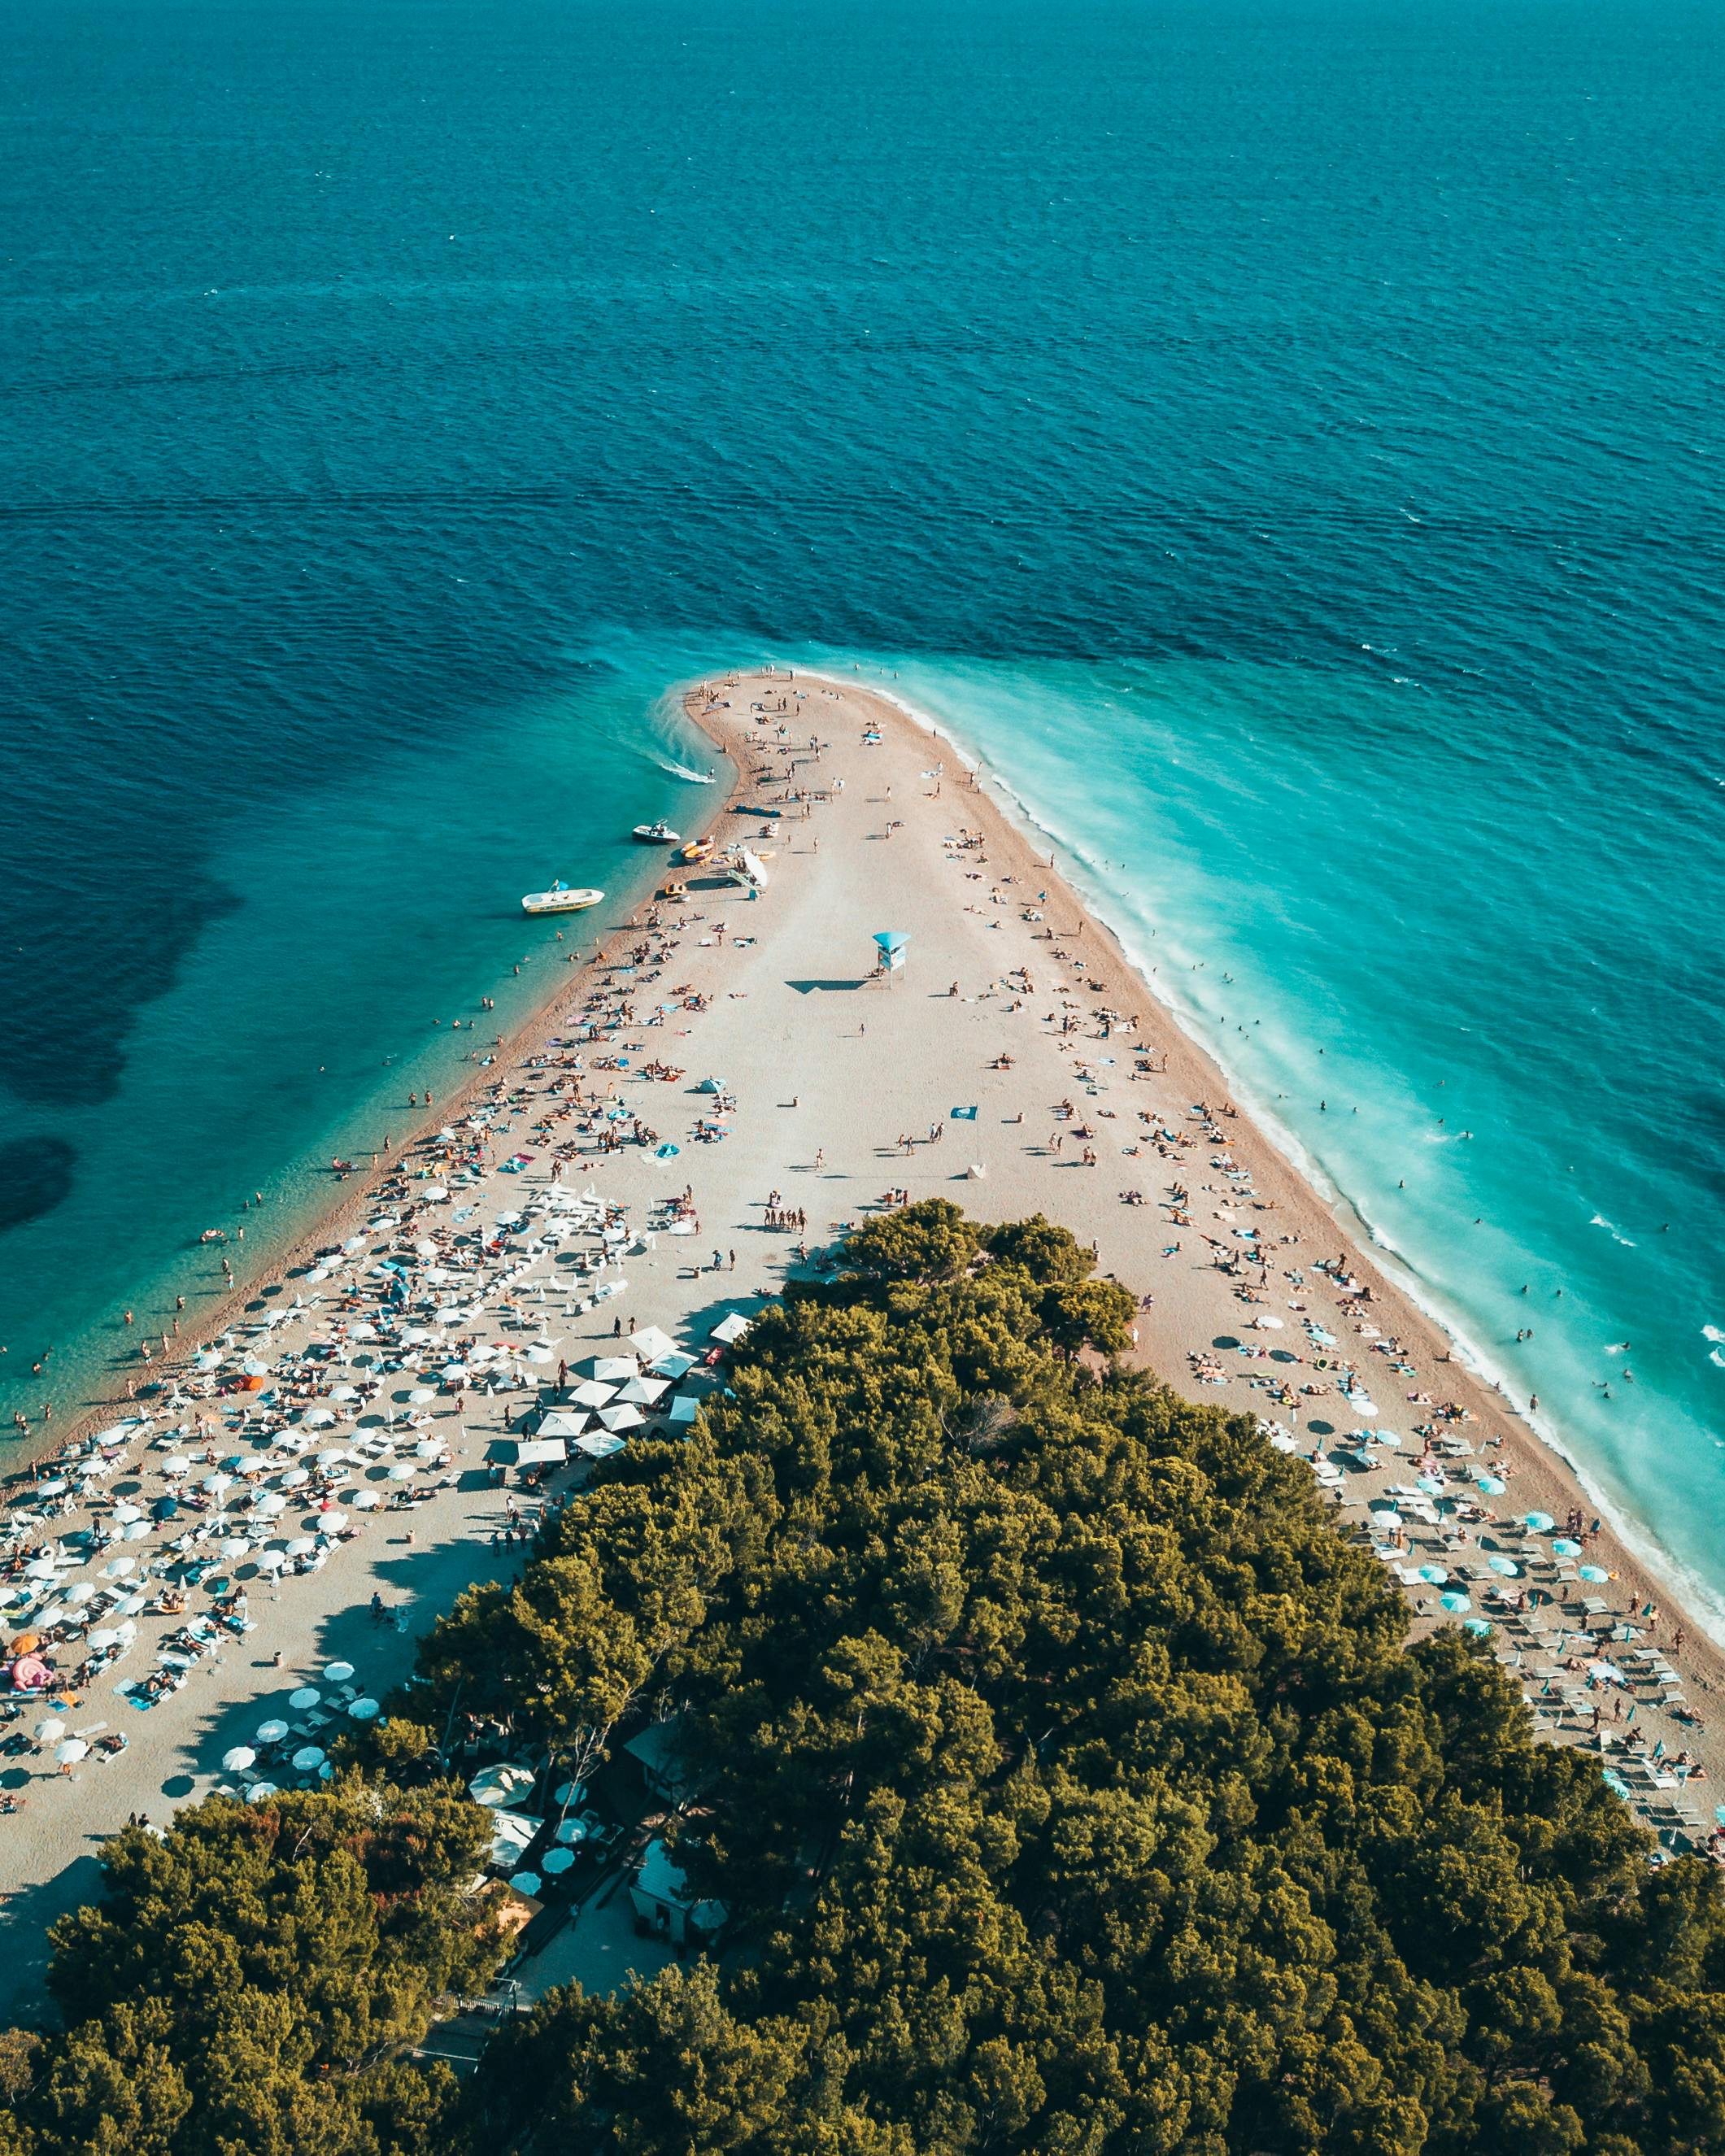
x=25, y=1917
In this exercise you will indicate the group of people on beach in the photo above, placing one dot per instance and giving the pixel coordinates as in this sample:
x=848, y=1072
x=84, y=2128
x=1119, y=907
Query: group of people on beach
x=1305, y=1329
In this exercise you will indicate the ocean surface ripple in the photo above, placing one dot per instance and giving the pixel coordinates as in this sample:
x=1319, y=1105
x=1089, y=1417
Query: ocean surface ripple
x=1286, y=447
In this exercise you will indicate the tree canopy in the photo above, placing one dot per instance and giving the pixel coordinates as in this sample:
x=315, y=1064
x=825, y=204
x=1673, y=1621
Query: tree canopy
x=1071, y=1780
x=247, y=1980
x=1068, y=1773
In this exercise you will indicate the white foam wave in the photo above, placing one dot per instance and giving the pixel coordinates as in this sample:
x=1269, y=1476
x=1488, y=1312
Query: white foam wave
x=1704, y=1600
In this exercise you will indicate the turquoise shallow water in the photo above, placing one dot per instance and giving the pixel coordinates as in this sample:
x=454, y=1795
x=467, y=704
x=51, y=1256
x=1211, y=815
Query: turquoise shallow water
x=1483, y=1046
x=1284, y=443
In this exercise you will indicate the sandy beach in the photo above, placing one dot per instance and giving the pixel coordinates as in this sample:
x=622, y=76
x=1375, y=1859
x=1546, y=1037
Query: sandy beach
x=1014, y=1063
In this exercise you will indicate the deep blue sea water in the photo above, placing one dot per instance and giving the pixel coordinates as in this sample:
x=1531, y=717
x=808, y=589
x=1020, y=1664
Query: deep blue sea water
x=1285, y=440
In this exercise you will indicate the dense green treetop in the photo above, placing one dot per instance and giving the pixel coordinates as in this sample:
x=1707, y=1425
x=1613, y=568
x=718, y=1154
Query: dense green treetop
x=247, y=1978
x=1070, y=1778
x=1068, y=1775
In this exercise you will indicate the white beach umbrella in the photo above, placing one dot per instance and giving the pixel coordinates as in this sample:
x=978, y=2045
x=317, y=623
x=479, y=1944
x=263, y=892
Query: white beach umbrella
x=235, y=1546
x=452, y=1373
x=261, y=1791
x=589, y=1394
x=237, y=1759
x=364, y=1710
x=344, y=1392
x=338, y=1672
x=307, y=1757
x=332, y=1521
x=615, y=1369
x=304, y=1698
x=80, y=1592
x=135, y=1531
x=431, y=1448
x=525, y=1882
x=272, y=1731
x=642, y=1392
x=501, y=1784
x=271, y=1506
x=364, y=1500
x=556, y=1861
x=333, y=1455
x=271, y=1560
x=177, y=1465
x=123, y=1513
x=48, y=1728
x=295, y=1478
x=402, y=1471
x=218, y=1483
x=71, y=1752
x=421, y=1394
x=40, y=1567
x=318, y=1417
x=621, y=1418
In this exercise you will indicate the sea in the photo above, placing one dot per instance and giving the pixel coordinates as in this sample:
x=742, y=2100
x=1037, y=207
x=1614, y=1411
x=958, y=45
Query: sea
x=1282, y=440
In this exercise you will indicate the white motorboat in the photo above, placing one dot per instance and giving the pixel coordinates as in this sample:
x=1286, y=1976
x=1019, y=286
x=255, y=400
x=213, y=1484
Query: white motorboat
x=657, y=834
x=561, y=898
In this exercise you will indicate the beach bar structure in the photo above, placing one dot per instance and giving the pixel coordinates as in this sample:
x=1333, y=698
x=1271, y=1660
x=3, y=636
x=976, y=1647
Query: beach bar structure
x=665, y=1905
x=656, y=1751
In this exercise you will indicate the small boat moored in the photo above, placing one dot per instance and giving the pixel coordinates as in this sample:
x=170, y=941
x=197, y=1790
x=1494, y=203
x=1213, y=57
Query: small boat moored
x=560, y=898
x=657, y=834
